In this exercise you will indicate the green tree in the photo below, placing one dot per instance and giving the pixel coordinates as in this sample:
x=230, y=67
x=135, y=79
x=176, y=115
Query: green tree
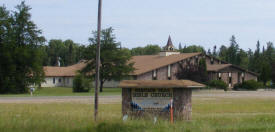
x=242, y=59
x=192, y=49
x=81, y=83
x=20, y=54
x=151, y=49
x=70, y=47
x=250, y=55
x=137, y=51
x=147, y=50
x=180, y=47
x=68, y=51
x=273, y=73
x=232, y=51
x=56, y=49
x=194, y=72
x=265, y=72
x=223, y=52
x=114, y=60
x=215, y=51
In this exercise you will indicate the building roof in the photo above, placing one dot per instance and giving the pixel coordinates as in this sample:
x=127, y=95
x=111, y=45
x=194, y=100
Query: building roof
x=142, y=64
x=160, y=84
x=217, y=67
x=69, y=71
x=148, y=63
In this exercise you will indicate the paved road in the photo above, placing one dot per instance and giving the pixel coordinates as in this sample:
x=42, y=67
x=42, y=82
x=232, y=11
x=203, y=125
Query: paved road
x=116, y=99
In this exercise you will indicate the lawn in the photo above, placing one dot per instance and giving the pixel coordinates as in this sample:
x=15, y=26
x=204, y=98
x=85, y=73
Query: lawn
x=217, y=114
x=62, y=91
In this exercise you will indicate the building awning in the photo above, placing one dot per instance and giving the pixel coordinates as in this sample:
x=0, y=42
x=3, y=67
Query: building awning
x=160, y=84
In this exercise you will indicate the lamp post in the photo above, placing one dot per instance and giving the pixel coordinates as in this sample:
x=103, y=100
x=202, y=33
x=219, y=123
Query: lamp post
x=97, y=58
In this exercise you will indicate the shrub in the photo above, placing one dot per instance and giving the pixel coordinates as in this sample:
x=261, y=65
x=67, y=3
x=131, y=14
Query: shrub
x=219, y=84
x=248, y=85
x=81, y=84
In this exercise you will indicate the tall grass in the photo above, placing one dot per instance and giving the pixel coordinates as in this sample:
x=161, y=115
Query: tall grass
x=209, y=115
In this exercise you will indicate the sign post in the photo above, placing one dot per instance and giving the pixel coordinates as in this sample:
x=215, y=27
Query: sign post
x=171, y=112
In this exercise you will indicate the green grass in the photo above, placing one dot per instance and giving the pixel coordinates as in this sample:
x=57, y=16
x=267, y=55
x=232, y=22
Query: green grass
x=209, y=115
x=61, y=91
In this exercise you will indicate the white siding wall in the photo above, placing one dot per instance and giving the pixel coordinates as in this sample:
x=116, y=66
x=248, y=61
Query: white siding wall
x=59, y=82
x=68, y=82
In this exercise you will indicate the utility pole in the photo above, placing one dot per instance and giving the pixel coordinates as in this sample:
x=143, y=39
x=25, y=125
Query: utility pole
x=97, y=58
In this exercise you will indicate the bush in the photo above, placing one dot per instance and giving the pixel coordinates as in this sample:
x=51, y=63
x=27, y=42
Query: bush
x=219, y=84
x=81, y=84
x=248, y=85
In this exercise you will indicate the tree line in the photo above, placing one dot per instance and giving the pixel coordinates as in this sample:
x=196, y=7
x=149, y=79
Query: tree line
x=20, y=54
x=260, y=61
x=24, y=51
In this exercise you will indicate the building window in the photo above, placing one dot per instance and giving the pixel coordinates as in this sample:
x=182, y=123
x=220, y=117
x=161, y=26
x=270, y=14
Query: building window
x=54, y=80
x=169, y=71
x=220, y=76
x=243, y=77
x=68, y=80
x=59, y=80
x=197, y=59
x=155, y=75
x=230, y=79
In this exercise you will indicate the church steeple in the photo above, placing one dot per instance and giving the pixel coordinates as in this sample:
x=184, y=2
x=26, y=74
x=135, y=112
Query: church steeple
x=169, y=46
x=169, y=42
x=169, y=49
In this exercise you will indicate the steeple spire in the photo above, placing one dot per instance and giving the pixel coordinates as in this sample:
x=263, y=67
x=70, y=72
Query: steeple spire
x=169, y=46
x=169, y=42
x=169, y=49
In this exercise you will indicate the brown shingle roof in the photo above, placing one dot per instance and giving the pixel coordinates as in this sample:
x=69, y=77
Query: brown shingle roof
x=69, y=71
x=160, y=84
x=148, y=63
x=217, y=67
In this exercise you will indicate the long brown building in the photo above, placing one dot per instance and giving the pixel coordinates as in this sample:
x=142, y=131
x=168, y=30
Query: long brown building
x=163, y=66
x=169, y=62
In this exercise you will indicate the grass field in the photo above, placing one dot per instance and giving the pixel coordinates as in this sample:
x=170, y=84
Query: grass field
x=61, y=91
x=210, y=114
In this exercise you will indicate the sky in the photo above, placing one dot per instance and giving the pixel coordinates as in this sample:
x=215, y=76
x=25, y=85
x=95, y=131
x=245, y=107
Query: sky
x=141, y=22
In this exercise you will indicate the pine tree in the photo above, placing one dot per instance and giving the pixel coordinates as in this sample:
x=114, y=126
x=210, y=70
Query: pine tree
x=232, y=51
x=180, y=48
x=21, y=59
x=215, y=51
x=209, y=52
x=114, y=61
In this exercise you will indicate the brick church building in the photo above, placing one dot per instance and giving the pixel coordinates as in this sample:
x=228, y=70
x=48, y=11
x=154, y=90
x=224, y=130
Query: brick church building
x=168, y=63
x=163, y=66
